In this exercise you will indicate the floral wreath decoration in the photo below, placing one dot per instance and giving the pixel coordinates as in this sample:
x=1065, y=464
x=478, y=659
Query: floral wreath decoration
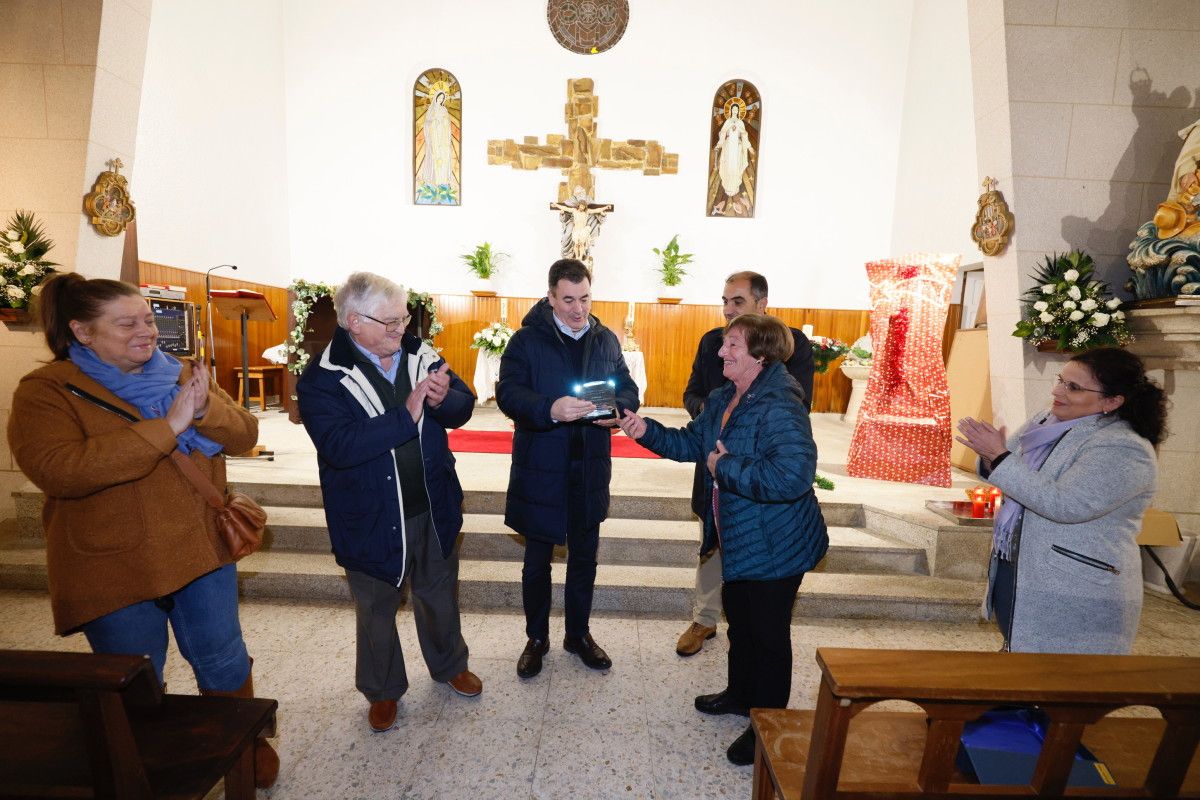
x=307, y=293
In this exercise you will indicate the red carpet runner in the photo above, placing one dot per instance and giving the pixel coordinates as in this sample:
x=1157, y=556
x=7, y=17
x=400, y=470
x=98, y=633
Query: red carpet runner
x=464, y=441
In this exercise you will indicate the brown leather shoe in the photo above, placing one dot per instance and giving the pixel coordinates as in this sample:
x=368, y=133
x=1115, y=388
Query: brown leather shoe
x=382, y=715
x=466, y=683
x=692, y=640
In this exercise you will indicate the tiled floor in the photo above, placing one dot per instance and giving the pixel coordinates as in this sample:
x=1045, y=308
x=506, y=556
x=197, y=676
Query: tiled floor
x=630, y=732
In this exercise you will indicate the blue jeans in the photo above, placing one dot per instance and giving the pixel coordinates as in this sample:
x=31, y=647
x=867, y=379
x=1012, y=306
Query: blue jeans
x=204, y=616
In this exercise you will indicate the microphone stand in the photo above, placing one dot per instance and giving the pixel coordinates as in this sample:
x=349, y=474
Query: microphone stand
x=212, y=350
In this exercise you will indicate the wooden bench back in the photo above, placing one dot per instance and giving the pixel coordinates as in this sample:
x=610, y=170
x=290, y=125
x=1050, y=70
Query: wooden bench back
x=102, y=687
x=1074, y=691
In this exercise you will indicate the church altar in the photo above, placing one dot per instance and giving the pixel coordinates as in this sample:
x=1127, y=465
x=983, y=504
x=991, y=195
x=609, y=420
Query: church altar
x=636, y=362
x=487, y=372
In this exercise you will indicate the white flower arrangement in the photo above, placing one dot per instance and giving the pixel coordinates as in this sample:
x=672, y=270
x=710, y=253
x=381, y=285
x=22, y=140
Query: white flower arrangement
x=1064, y=309
x=492, y=339
x=23, y=246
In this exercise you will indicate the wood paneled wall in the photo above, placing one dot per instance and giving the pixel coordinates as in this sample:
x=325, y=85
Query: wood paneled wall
x=666, y=334
x=227, y=333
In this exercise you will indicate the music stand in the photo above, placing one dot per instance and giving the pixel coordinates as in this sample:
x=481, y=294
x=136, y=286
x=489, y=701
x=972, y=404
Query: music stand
x=245, y=305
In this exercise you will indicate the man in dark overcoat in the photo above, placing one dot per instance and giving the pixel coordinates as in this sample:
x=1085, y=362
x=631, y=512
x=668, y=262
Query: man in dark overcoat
x=562, y=454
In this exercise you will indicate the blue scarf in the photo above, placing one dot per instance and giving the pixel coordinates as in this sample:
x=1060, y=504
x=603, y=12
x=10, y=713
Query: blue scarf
x=150, y=391
x=1034, y=448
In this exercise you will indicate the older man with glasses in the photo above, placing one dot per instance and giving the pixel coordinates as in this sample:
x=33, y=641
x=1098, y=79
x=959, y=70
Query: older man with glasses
x=377, y=404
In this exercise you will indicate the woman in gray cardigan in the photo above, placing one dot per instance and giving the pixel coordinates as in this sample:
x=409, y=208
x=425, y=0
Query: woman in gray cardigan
x=1065, y=573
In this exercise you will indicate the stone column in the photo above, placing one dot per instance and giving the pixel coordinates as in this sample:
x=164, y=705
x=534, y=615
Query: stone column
x=70, y=84
x=1168, y=340
x=1076, y=109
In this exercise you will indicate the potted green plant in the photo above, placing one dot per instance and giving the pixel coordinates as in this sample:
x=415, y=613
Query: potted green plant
x=670, y=269
x=483, y=263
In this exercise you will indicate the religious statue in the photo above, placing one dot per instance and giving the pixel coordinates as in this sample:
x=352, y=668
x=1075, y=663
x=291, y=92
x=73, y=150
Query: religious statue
x=733, y=160
x=581, y=222
x=1165, y=256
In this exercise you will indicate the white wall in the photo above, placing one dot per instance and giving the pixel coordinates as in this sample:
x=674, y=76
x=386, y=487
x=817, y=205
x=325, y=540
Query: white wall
x=832, y=80
x=303, y=110
x=936, y=186
x=211, y=175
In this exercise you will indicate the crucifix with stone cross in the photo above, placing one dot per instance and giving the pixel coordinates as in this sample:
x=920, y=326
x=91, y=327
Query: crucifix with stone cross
x=576, y=154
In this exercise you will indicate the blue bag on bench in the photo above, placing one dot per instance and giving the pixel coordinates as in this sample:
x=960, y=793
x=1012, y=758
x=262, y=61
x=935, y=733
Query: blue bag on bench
x=1002, y=747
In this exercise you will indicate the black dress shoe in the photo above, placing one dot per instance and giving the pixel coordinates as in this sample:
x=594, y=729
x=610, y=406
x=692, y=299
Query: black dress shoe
x=721, y=703
x=588, y=651
x=530, y=662
x=741, y=752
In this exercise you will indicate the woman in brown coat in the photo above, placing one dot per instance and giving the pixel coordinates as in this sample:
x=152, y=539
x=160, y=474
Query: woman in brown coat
x=130, y=543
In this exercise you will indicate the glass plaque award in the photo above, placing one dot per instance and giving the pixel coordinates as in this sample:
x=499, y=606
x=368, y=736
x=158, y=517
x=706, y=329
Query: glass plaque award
x=601, y=394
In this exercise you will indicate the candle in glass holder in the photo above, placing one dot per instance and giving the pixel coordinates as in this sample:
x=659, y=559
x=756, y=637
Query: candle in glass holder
x=629, y=316
x=979, y=502
x=807, y=330
x=504, y=309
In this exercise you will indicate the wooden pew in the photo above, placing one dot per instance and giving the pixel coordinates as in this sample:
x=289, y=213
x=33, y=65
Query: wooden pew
x=88, y=725
x=837, y=752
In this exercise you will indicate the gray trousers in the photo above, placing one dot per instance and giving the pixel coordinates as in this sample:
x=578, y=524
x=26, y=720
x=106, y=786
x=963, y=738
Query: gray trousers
x=433, y=581
x=706, y=604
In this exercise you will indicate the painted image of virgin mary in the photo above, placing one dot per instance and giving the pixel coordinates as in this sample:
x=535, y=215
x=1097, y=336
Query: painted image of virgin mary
x=437, y=139
x=734, y=138
x=733, y=151
x=439, y=153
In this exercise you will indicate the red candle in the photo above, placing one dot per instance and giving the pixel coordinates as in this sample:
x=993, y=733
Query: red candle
x=978, y=507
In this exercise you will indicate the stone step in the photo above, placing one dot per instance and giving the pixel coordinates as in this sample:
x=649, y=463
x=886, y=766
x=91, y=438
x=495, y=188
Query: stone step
x=622, y=541
x=645, y=589
x=674, y=544
x=28, y=500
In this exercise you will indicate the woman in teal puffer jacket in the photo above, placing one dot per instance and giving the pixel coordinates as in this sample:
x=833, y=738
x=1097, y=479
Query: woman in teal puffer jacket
x=755, y=437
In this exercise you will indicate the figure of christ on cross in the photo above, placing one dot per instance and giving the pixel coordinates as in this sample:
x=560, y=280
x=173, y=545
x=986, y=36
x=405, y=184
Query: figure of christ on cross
x=581, y=226
x=576, y=154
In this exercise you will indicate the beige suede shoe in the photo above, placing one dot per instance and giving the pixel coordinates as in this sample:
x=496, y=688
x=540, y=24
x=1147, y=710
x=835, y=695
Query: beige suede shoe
x=692, y=640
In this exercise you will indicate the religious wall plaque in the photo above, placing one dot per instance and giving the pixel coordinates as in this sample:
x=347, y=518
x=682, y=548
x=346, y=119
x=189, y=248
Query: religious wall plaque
x=109, y=204
x=587, y=26
x=993, y=222
x=437, y=139
x=733, y=150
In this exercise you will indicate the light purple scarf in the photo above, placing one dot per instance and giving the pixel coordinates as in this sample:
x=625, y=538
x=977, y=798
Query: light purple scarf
x=1034, y=448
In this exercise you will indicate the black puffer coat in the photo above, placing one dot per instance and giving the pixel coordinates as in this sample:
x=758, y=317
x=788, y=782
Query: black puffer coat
x=535, y=371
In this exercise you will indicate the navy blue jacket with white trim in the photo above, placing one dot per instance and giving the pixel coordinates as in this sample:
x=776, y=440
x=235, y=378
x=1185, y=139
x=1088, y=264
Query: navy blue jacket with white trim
x=355, y=436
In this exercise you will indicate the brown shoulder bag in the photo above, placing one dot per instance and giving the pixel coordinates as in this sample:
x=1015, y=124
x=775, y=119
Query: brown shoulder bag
x=240, y=520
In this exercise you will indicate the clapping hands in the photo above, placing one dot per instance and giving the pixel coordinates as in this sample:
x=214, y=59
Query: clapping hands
x=192, y=401
x=432, y=389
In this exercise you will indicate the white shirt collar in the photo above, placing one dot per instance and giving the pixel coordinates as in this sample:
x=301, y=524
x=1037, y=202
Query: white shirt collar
x=576, y=335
